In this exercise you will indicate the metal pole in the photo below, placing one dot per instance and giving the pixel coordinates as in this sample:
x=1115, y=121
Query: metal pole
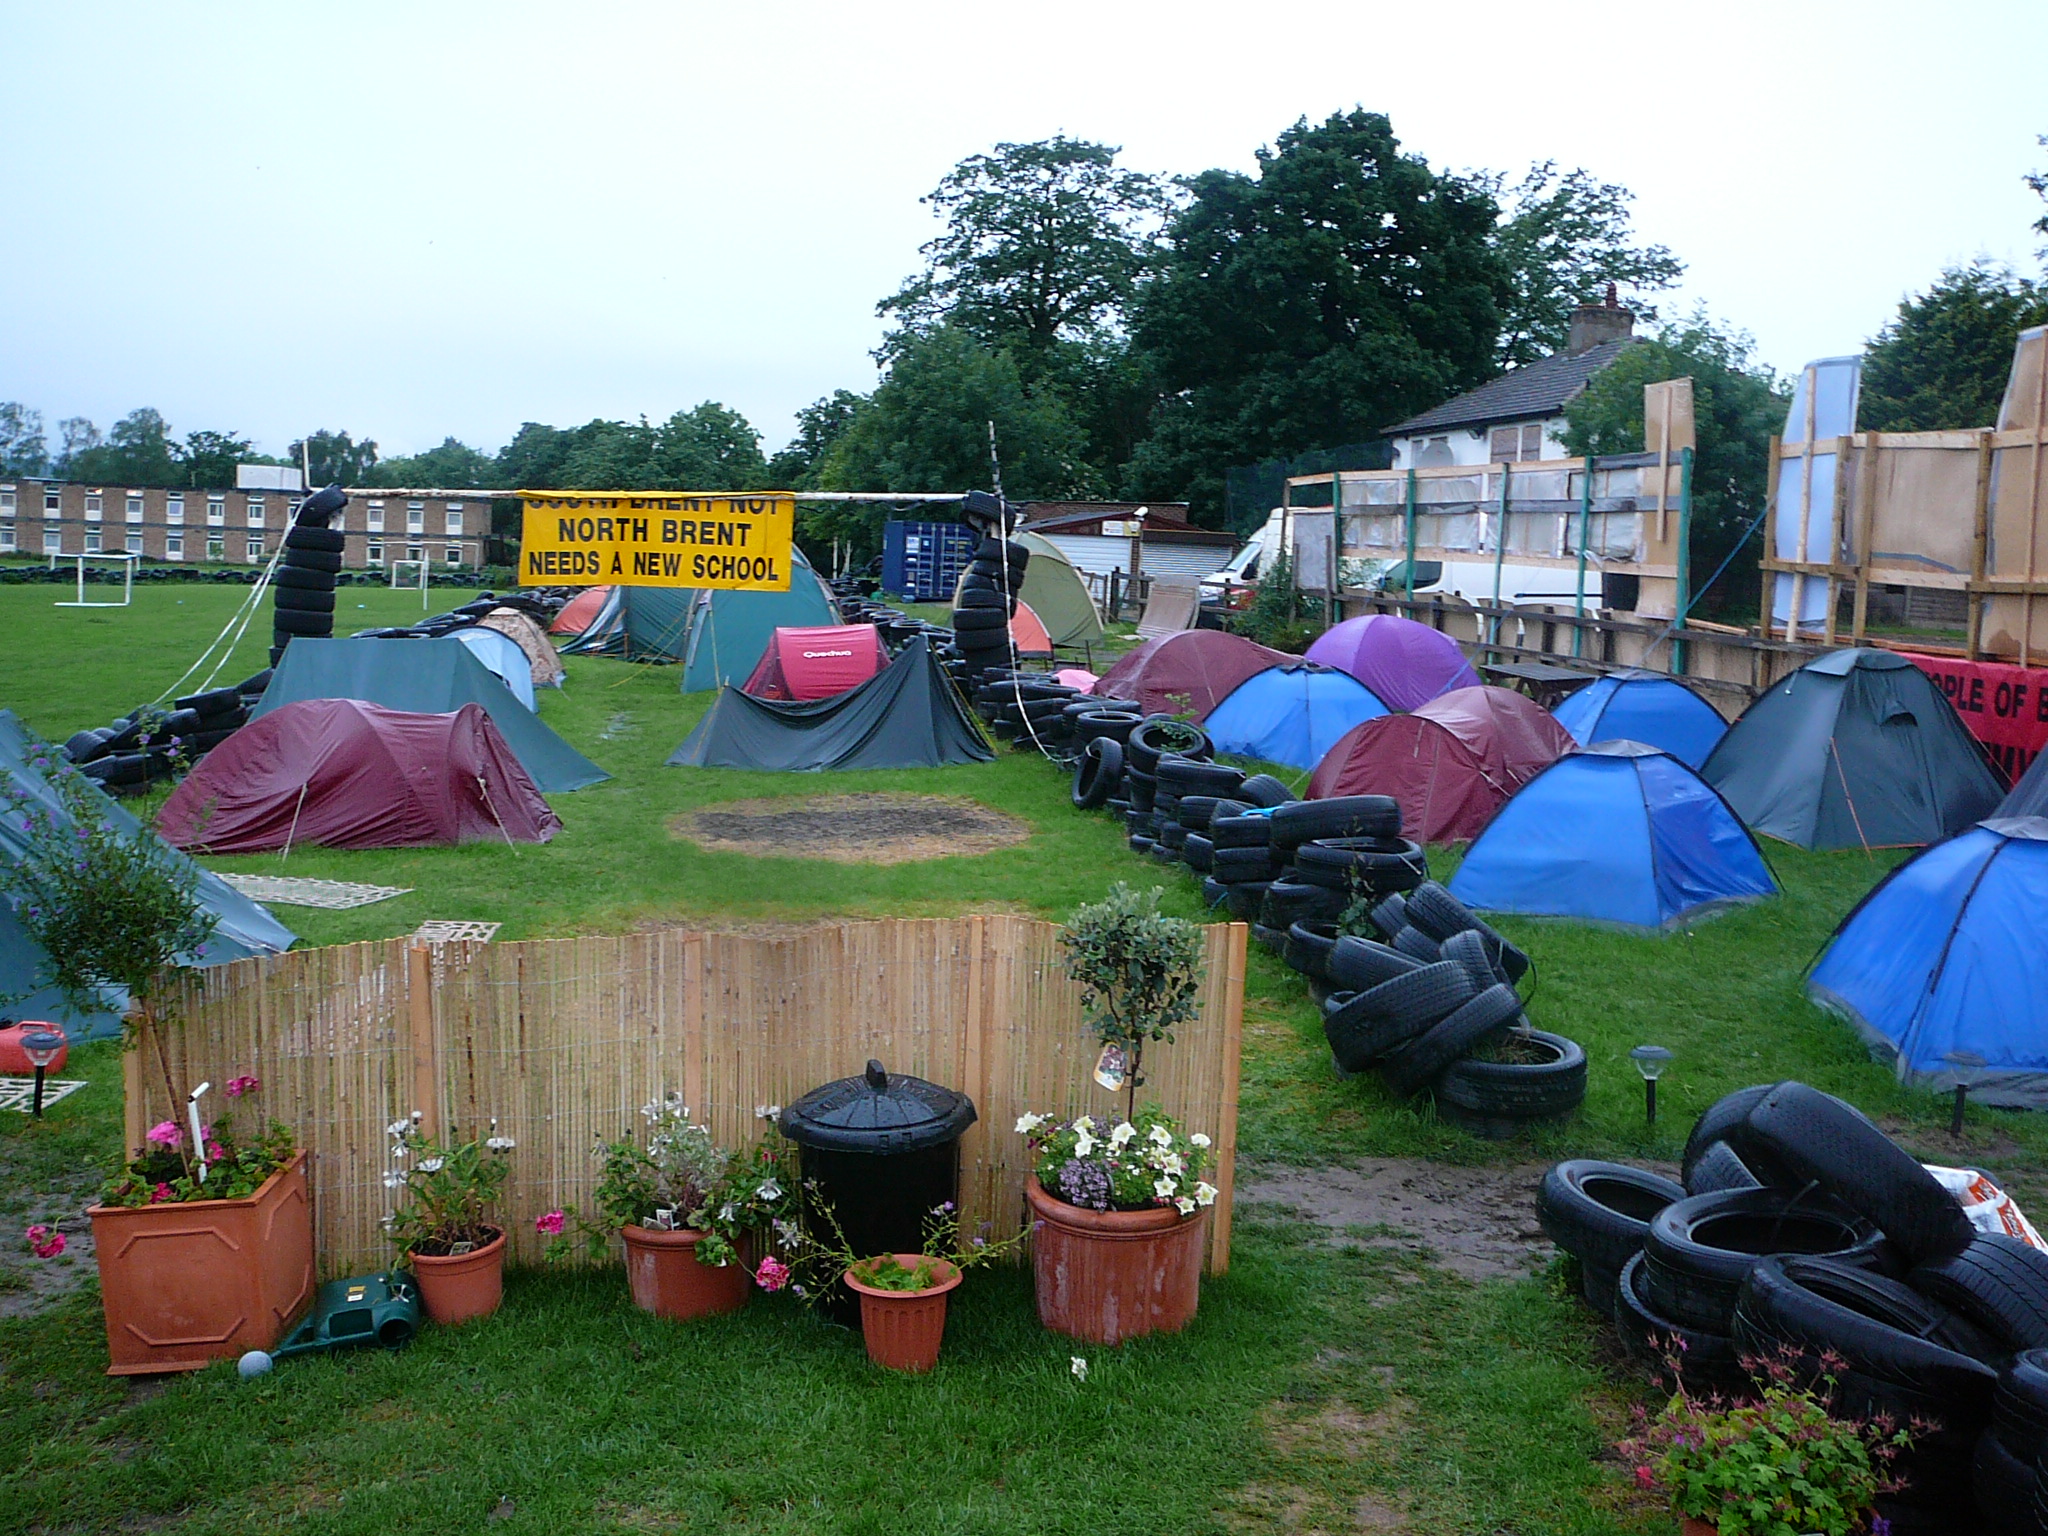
x=1585, y=526
x=1500, y=549
x=1411, y=538
x=1678, y=656
x=1330, y=559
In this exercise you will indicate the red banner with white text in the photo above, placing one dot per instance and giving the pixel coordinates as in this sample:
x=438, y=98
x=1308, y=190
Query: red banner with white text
x=2005, y=707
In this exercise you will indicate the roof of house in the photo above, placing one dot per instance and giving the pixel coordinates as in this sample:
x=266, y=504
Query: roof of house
x=1538, y=389
x=1071, y=516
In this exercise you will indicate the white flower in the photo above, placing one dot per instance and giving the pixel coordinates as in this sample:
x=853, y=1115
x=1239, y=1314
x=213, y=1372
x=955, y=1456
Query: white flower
x=769, y=1190
x=1123, y=1133
x=400, y=1152
x=1205, y=1194
x=1172, y=1163
x=1027, y=1123
x=394, y=1180
x=1164, y=1188
x=398, y=1127
x=1083, y=1144
x=1187, y=1206
x=429, y=1165
x=727, y=1211
x=1199, y=1139
x=501, y=1144
x=1084, y=1123
x=1160, y=1136
x=1079, y=1367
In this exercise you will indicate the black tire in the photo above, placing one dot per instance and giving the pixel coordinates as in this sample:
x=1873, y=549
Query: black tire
x=215, y=701
x=1159, y=735
x=976, y=581
x=1138, y=842
x=1241, y=831
x=1358, y=863
x=302, y=600
x=1419, y=1063
x=255, y=685
x=1303, y=821
x=312, y=561
x=1359, y=1035
x=1114, y=724
x=1388, y=916
x=1214, y=893
x=290, y=574
x=1419, y=1000
x=1707, y=1362
x=1172, y=834
x=178, y=724
x=1310, y=943
x=206, y=741
x=974, y=621
x=1245, y=897
x=1413, y=941
x=2002, y=1485
x=1190, y=776
x=1198, y=853
x=1142, y=787
x=993, y=548
x=1600, y=1213
x=1819, y=1138
x=1360, y=964
x=1235, y=865
x=1700, y=1248
x=1197, y=810
x=329, y=541
x=84, y=746
x=1721, y=1117
x=1289, y=901
x=1719, y=1168
x=1097, y=771
x=1438, y=913
x=118, y=769
x=287, y=621
x=2019, y=1404
x=1999, y=1283
x=981, y=597
x=1517, y=1090
x=1274, y=939
x=1469, y=950
x=1264, y=789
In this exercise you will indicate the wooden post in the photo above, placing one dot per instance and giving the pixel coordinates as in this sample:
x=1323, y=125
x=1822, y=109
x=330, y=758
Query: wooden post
x=1840, y=505
x=426, y=1060
x=1866, y=524
x=1226, y=1125
x=1770, y=580
x=1980, y=541
x=2034, y=481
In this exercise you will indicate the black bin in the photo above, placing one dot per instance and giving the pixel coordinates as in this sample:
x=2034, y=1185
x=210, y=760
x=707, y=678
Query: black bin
x=882, y=1150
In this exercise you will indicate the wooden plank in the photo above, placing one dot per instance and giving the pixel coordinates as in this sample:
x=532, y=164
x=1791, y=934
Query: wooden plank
x=426, y=1065
x=1840, y=512
x=1980, y=541
x=1866, y=509
x=1226, y=1120
x=1772, y=455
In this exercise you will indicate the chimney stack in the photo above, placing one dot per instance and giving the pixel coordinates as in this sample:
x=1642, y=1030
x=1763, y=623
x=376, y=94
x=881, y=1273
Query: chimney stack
x=1593, y=324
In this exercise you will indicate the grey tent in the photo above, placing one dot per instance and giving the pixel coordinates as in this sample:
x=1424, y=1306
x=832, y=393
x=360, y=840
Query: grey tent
x=1856, y=749
x=241, y=927
x=2029, y=797
x=427, y=677
x=638, y=624
x=905, y=716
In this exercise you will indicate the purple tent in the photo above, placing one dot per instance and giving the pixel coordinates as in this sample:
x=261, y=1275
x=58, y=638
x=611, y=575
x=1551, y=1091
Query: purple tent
x=1407, y=664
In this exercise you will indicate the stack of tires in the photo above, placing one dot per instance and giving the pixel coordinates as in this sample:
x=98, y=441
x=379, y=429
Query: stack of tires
x=1030, y=710
x=987, y=599
x=147, y=746
x=302, y=589
x=1803, y=1233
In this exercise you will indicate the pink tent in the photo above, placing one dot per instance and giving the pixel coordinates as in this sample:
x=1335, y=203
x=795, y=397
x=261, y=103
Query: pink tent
x=1452, y=763
x=1403, y=662
x=344, y=774
x=817, y=661
x=1187, y=673
x=579, y=611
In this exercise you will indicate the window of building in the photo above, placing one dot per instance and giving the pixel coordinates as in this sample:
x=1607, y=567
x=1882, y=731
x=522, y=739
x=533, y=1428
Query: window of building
x=174, y=510
x=92, y=507
x=455, y=519
x=375, y=515
x=7, y=501
x=134, y=507
x=454, y=554
x=255, y=512
x=134, y=543
x=415, y=517
x=53, y=541
x=7, y=537
x=415, y=553
x=216, y=511
x=53, y=501
x=375, y=554
x=92, y=541
x=255, y=550
x=1436, y=450
x=216, y=549
x=1515, y=445
x=174, y=546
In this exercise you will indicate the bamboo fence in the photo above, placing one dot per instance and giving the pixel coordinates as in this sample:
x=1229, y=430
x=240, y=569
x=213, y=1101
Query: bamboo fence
x=561, y=1042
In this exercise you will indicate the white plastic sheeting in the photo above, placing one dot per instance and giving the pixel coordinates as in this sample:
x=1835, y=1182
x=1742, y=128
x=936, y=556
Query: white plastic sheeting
x=1823, y=407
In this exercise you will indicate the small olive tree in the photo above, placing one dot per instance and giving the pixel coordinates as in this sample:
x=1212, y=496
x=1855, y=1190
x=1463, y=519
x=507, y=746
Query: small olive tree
x=1138, y=969
x=109, y=908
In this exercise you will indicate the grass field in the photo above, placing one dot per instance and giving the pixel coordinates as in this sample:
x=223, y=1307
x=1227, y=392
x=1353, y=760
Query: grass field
x=1323, y=1387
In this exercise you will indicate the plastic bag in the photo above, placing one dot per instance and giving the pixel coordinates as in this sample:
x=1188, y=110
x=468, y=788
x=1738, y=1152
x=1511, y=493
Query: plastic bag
x=1989, y=1208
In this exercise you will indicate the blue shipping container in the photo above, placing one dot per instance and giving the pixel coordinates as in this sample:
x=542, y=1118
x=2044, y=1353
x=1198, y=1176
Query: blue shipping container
x=923, y=562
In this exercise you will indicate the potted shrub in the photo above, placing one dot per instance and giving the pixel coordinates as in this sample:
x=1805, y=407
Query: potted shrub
x=444, y=1224
x=1780, y=1465
x=1138, y=971
x=687, y=1210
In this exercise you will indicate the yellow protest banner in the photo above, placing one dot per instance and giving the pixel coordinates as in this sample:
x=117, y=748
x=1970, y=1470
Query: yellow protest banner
x=732, y=540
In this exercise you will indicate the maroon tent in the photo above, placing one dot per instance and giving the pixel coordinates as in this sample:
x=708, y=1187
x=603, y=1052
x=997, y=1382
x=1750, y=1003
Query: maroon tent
x=817, y=661
x=1188, y=673
x=345, y=774
x=1451, y=764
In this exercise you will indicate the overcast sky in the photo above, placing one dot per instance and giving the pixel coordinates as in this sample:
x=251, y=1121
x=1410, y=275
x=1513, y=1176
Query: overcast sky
x=415, y=220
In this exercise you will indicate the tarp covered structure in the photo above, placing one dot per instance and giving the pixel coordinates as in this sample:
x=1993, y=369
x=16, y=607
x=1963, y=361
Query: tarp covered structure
x=730, y=630
x=908, y=716
x=1858, y=748
x=426, y=677
x=1407, y=664
x=501, y=653
x=1944, y=960
x=1191, y=672
x=339, y=773
x=241, y=927
x=577, y=613
x=1649, y=707
x=1057, y=593
x=1620, y=833
x=542, y=662
x=817, y=662
x=1451, y=763
x=2029, y=796
x=1291, y=714
x=638, y=624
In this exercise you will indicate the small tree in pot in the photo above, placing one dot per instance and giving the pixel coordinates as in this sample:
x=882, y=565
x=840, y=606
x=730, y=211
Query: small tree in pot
x=1139, y=971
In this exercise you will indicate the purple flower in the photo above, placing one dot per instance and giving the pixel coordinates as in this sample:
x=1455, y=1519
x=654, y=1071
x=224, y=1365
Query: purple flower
x=1085, y=1184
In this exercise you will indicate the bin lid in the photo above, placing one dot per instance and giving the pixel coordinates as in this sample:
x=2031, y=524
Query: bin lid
x=879, y=1111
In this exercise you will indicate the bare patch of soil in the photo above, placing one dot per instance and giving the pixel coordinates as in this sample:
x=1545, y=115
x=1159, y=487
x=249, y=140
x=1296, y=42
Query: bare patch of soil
x=28, y=1284
x=852, y=829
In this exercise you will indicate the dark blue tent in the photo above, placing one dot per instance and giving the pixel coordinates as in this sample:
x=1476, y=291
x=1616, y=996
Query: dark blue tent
x=1290, y=714
x=2029, y=796
x=1946, y=958
x=1616, y=833
x=1642, y=706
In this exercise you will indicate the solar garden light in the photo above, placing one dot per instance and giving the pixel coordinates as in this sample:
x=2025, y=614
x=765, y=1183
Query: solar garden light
x=198, y=1137
x=1969, y=1060
x=41, y=1047
x=1650, y=1061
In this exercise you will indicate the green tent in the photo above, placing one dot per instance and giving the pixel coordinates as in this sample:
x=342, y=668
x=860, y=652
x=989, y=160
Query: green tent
x=730, y=631
x=1057, y=593
x=638, y=624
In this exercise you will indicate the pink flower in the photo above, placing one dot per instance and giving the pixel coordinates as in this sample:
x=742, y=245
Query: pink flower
x=549, y=1224
x=237, y=1086
x=773, y=1274
x=1645, y=1478
x=165, y=1133
x=50, y=1248
x=215, y=1152
x=160, y=1194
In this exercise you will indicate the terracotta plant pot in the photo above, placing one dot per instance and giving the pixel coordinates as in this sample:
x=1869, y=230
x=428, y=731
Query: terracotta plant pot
x=903, y=1329
x=1107, y=1276
x=1697, y=1527
x=187, y=1283
x=667, y=1279
x=456, y=1287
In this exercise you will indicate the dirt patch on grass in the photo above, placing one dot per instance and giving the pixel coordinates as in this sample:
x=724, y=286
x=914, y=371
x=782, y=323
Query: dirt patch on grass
x=28, y=1284
x=852, y=829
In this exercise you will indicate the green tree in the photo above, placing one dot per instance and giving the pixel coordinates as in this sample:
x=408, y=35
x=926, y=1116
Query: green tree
x=209, y=458
x=818, y=427
x=76, y=437
x=1343, y=287
x=453, y=465
x=334, y=458
x=2038, y=181
x=1564, y=238
x=1737, y=403
x=1943, y=360
x=137, y=451
x=22, y=449
x=710, y=447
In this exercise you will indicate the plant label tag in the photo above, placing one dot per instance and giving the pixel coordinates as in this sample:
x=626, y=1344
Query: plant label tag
x=456, y=1248
x=1111, y=1067
x=665, y=1219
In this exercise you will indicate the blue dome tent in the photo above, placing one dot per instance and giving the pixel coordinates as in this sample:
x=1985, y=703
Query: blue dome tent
x=1290, y=714
x=1618, y=833
x=1649, y=707
x=1945, y=959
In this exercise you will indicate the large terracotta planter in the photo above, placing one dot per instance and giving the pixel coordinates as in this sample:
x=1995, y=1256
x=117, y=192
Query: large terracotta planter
x=903, y=1329
x=186, y=1283
x=456, y=1287
x=667, y=1279
x=1107, y=1276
